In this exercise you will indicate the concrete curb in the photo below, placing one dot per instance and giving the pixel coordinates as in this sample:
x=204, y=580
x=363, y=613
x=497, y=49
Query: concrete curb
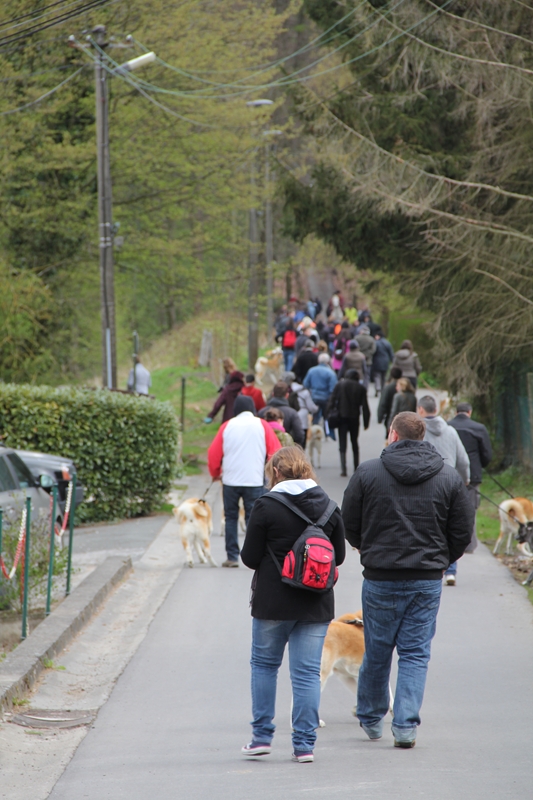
x=21, y=669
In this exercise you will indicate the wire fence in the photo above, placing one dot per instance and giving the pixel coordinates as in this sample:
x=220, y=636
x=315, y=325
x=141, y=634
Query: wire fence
x=20, y=568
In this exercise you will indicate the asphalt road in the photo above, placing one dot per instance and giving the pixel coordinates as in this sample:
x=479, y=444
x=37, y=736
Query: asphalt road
x=176, y=720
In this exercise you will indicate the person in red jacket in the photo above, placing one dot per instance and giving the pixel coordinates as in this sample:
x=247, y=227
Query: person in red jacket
x=238, y=455
x=251, y=390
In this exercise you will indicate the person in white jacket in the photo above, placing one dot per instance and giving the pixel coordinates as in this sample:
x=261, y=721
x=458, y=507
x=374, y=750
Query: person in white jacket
x=450, y=448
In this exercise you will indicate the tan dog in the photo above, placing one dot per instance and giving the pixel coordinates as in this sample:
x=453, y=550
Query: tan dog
x=344, y=648
x=195, y=522
x=241, y=525
x=514, y=513
x=315, y=437
x=268, y=369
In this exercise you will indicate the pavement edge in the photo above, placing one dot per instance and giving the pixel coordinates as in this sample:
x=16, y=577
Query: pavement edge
x=21, y=669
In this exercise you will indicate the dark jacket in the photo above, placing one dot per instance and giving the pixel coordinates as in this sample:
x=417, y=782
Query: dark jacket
x=273, y=524
x=383, y=355
x=291, y=419
x=227, y=396
x=385, y=403
x=476, y=441
x=408, y=513
x=351, y=397
x=402, y=401
x=306, y=359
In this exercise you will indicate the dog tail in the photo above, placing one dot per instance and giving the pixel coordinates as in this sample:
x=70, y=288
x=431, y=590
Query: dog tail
x=512, y=508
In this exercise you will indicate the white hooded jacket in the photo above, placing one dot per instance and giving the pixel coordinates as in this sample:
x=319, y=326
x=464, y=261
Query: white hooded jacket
x=450, y=448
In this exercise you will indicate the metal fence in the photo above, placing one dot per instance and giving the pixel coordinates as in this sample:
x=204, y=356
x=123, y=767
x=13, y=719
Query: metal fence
x=514, y=415
x=21, y=561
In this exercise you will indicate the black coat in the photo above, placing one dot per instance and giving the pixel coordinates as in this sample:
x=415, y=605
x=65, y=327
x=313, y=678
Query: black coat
x=408, y=513
x=385, y=403
x=291, y=418
x=273, y=524
x=306, y=359
x=351, y=397
x=476, y=441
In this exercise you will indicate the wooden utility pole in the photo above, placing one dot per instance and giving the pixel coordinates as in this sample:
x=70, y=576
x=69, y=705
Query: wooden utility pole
x=105, y=220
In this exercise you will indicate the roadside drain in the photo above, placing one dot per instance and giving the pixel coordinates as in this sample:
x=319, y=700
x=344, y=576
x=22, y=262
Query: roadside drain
x=50, y=718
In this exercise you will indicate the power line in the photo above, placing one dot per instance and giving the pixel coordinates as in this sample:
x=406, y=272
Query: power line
x=32, y=30
x=42, y=97
x=36, y=14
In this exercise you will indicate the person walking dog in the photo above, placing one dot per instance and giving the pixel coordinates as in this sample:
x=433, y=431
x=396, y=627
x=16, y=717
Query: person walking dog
x=238, y=454
x=409, y=515
x=284, y=614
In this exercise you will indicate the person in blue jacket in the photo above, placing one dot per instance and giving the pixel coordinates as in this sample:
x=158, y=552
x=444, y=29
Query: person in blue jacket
x=381, y=360
x=320, y=380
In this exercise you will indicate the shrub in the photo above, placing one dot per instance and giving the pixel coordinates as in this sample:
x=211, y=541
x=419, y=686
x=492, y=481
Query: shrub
x=124, y=446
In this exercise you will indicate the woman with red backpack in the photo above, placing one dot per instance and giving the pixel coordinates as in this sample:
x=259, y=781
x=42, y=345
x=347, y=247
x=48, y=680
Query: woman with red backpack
x=285, y=609
x=288, y=342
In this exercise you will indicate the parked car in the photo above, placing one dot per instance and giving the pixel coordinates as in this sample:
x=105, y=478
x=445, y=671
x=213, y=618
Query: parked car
x=16, y=483
x=57, y=469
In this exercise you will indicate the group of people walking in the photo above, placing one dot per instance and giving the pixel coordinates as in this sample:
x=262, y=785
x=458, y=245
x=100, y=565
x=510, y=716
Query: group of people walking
x=409, y=513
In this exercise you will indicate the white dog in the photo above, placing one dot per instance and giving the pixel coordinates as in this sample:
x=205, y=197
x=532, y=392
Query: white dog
x=315, y=437
x=195, y=522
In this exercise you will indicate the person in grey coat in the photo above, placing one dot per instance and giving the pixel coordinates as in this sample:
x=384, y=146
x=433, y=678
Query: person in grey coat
x=367, y=343
x=380, y=362
x=446, y=441
x=407, y=360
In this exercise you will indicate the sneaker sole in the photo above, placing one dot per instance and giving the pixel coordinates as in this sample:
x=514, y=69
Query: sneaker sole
x=307, y=759
x=405, y=745
x=259, y=751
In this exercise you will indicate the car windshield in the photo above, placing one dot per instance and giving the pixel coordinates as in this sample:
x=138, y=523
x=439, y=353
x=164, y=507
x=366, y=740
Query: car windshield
x=25, y=478
x=7, y=483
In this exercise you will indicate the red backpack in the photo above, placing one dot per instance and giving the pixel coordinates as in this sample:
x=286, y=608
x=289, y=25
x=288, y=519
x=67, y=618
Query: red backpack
x=289, y=339
x=310, y=563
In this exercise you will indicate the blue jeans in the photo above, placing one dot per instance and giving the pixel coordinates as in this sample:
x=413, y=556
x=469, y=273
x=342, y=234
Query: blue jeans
x=305, y=639
x=401, y=614
x=288, y=358
x=231, y=496
x=452, y=569
x=321, y=412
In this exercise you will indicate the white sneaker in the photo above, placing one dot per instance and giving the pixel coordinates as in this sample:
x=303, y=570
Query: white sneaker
x=449, y=580
x=303, y=758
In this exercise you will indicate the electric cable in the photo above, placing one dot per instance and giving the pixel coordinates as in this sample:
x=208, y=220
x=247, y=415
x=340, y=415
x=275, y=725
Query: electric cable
x=42, y=97
x=37, y=15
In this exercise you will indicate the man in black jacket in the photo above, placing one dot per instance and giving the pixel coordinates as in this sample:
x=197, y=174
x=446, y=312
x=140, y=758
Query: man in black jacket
x=304, y=361
x=387, y=398
x=409, y=515
x=476, y=441
x=349, y=397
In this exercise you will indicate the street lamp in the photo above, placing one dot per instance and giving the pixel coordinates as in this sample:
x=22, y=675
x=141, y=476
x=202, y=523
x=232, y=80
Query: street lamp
x=253, y=328
x=269, y=234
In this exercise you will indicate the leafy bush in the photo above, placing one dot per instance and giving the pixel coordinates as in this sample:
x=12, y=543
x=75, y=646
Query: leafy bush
x=11, y=591
x=123, y=446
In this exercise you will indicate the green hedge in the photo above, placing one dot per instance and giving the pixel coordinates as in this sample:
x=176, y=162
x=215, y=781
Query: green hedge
x=123, y=446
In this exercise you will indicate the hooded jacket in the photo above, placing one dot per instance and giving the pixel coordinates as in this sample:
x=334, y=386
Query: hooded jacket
x=383, y=356
x=408, y=513
x=273, y=524
x=446, y=441
x=354, y=359
x=408, y=362
x=351, y=397
x=305, y=360
x=320, y=381
x=367, y=344
x=227, y=396
x=291, y=418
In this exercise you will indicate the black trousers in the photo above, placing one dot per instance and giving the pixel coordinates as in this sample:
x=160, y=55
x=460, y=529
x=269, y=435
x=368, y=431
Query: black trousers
x=350, y=426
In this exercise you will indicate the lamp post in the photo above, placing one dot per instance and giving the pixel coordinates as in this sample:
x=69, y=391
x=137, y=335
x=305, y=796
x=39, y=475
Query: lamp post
x=253, y=327
x=105, y=206
x=269, y=234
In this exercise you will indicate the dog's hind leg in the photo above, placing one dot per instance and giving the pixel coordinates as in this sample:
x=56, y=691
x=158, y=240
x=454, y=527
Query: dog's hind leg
x=188, y=552
x=498, y=543
x=199, y=550
x=207, y=551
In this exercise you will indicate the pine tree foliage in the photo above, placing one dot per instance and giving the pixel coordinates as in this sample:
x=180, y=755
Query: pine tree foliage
x=422, y=146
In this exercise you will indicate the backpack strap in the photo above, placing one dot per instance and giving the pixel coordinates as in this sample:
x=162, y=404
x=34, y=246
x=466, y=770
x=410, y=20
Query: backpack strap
x=332, y=505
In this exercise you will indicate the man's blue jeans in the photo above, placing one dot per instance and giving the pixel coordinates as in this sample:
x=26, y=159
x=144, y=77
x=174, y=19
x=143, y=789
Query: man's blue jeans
x=321, y=412
x=231, y=496
x=288, y=359
x=305, y=639
x=401, y=615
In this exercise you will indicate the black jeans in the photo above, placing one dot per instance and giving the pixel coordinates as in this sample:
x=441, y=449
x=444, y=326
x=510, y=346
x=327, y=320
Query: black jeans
x=231, y=496
x=350, y=426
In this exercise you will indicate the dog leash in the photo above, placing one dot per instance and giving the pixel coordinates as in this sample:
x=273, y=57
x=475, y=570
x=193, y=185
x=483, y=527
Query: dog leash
x=202, y=498
x=499, y=484
x=484, y=496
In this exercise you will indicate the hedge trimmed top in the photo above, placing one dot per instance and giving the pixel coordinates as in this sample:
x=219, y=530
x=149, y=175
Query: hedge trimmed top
x=124, y=446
